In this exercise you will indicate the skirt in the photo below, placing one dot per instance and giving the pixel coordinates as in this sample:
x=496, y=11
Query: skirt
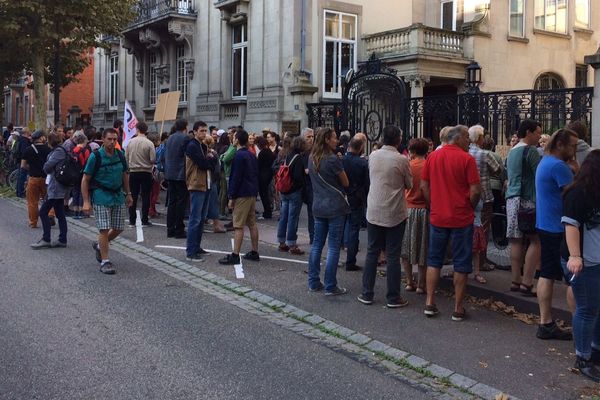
x=479, y=240
x=416, y=236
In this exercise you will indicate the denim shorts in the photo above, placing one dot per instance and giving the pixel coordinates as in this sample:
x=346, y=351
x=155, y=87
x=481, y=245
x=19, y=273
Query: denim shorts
x=462, y=247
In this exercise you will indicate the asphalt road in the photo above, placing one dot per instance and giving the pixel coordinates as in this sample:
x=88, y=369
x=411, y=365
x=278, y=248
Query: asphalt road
x=70, y=332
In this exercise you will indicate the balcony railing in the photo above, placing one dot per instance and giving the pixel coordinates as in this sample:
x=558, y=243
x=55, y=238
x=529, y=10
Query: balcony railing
x=147, y=10
x=416, y=39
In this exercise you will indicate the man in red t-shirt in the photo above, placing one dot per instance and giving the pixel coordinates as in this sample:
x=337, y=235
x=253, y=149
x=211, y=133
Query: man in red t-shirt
x=450, y=183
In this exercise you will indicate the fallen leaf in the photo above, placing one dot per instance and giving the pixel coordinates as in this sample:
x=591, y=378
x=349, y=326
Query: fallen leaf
x=501, y=396
x=483, y=364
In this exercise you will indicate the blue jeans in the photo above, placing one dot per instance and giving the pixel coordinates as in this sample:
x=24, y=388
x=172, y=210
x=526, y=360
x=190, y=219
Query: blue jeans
x=21, y=179
x=287, y=229
x=390, y=239
x=586, y=320
x=331, y=229
x=351, y=232
x=59, y=211
x=213, y=202
x=198, y=210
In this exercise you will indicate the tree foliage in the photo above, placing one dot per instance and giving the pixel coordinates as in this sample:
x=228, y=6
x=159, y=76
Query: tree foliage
x=36, y=28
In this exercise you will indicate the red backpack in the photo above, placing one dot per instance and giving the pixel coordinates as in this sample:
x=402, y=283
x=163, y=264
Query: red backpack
x=82, y=153
x=283, y=178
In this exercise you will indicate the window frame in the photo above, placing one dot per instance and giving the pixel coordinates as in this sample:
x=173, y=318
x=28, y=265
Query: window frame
x=242, y=46
x=113, y=81
x=338, y=42
x=549, y=76
x=153, y=79
x=545, y=15
x=454, y=13
x=182, y=76
x=581, y=68
x=523, y=16
x=588, y=24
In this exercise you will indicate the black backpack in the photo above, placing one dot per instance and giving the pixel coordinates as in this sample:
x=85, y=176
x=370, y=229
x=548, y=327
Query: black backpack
x=98, y=164
x=68, y=172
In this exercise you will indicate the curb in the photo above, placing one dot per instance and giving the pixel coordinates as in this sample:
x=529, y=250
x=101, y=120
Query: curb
x=435, y=380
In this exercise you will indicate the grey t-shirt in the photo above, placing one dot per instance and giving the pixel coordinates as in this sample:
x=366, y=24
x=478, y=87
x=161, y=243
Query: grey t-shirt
x=582, y=212
x=328, y=197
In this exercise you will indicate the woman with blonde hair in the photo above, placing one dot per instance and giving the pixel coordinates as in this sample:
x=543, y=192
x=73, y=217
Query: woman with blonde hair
x=330, y=208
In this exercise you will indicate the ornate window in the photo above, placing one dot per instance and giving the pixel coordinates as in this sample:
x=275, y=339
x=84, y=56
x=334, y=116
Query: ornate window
x=113, y=82
x=548, y=81
x=153, y=85
x=517, y=18
x=551, y=15
x=339, y=50
x=448, y=15
x=239, y=61
x=582, y=14
x=581, y=71
x=183, y=80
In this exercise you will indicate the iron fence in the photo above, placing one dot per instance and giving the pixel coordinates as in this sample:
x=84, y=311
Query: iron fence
x=500, y=113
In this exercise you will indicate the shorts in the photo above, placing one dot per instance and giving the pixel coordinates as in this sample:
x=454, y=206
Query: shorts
x=550, y=261
x=512, y=213
x=244, y=212
x=110, y=217
x=462, y=247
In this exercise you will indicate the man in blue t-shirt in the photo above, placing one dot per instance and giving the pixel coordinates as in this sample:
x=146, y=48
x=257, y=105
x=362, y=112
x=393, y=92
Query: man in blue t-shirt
x=552, y=176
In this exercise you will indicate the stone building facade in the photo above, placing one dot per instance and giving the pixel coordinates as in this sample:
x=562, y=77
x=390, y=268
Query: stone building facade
x=259, y=62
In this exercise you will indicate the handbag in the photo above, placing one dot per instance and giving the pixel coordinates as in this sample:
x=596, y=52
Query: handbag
x=525, y=215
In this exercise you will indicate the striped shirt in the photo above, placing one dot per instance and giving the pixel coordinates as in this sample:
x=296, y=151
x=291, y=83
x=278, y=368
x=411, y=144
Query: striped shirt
x=487, y=166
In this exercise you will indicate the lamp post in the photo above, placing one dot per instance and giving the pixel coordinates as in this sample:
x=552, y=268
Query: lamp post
x=471, y=105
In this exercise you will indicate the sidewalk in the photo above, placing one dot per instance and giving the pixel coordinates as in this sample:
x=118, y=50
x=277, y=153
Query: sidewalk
x=496, y=288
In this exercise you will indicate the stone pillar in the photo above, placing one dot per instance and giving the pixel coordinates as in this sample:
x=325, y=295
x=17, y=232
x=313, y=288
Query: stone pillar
x=594, y=61
x=417, y=82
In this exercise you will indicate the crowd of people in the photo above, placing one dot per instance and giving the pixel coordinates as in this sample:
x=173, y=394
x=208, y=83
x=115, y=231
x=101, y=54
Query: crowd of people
x=421, y=206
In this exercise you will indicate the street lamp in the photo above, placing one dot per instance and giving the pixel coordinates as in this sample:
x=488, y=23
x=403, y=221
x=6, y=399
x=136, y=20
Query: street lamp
x=473, y=77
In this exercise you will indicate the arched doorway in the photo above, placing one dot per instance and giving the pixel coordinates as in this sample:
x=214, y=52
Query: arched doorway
x=549, y=81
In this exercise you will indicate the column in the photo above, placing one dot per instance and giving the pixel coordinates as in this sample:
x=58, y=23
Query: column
x=594, y=61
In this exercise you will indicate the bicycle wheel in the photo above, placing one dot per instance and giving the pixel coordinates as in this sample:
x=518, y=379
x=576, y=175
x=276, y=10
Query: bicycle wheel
x=13, y=178
x=498, y=250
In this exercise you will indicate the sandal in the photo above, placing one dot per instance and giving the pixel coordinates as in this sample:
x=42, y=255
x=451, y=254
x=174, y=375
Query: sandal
x=526, y=291
x=410, y=287
x=421, y=290
x=515, y=286
x=479, y=279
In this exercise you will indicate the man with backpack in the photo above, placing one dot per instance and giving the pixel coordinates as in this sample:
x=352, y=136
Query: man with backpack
x=107, y=175
x=58, y=159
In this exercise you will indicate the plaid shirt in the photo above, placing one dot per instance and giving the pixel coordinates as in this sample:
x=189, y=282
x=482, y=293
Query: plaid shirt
x=487, y=166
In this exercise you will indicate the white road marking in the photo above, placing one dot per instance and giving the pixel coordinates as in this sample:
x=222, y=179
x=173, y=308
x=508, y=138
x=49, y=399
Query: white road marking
x=227, y=252
x=158, y=224
x=138, y=227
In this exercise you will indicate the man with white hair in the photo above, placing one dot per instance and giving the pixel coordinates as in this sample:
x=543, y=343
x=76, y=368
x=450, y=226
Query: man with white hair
x=487, y=166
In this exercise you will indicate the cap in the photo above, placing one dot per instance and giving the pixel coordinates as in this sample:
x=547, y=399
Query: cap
x=220, y=132
x=37, y=134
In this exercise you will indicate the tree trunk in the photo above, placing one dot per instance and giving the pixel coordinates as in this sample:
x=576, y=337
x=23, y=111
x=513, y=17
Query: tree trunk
x=38, y=87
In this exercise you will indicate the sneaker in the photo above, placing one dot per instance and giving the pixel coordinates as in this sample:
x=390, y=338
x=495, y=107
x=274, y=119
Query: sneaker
x=459, y=315
x=296, y=251
x=58, y=243
x=41, y=244
x=431, y=310
x=587, y=368
x=336, y=291
x=230, y=259
x=553, y=332
x=195, y=258
x=201, y=251
x=182, y=235
x=96, y=248
x=397, y=304
x=317, y=289
x=284, y=247
x=107, y=268
x=363, y=299
x=147, y=223
x=252, y=256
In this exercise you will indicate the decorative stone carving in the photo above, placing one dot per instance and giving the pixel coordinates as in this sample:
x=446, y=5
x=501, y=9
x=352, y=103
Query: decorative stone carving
x=189, y=65
x=181, y=30
x=417, y=80
x=258, y=104
x=149, y=38
x=163, y=73
x=139, y=75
